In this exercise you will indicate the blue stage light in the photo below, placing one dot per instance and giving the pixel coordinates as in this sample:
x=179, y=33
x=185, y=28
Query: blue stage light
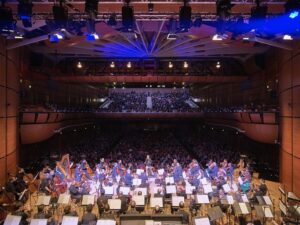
x=294, y=14
x=92, y=37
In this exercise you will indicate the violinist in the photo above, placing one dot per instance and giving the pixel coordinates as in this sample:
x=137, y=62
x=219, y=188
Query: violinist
x=46, y=186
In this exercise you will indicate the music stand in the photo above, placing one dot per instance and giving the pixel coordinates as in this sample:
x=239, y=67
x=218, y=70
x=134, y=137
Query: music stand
x=201, y=221
x=264, y=212
x=38, y=222
x=12, y=220
x=106, y=222
x=69, y=220
x=124, y=190
x=156, y=201
x=88, y=200
x=143, y=190
x=202, y=199
x=169, y=180
x=171, y=189
x=43, y=200
x=114, y=204
x=207, y=188
x=136, y=182
x=108, y=190
x=139, y=200
x=64, y=199
x=215, y=213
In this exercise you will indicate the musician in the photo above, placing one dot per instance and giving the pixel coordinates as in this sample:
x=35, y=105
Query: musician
x=69, y=212
x=107, y=213
x=212, y=170
x=132, y=209
x=128, y=178
x=194, y=168
x=144, y=179
x=262, y=189
x=124, y=201
x=157, y=210
x=148, y=162
x=10, y=186
x=84, y=169
x=89, y=217
x=41, y=213
x=177, y=171
x=46, y=186
x=78, y=174
x=75, y=190
x=183, y=213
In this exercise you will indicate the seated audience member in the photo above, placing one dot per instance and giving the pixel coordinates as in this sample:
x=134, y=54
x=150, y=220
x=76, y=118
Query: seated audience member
x=132, y=209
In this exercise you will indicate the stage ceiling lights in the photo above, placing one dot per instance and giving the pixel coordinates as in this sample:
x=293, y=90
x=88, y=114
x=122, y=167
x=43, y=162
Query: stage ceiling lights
x=112, y=65
x=129, y=65
x=170, y=65
x=185, y=65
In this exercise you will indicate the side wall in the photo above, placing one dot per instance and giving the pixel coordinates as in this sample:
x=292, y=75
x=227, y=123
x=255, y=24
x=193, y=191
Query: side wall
x=10, y=67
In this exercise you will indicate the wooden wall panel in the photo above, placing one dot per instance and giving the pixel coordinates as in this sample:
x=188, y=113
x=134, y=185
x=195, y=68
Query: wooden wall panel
x=285, y=100
x=296, y=137
x=12, y=163
x=12, y=103
x=296, y=101
x=296, y=176
x=269, y=118
x=2, y=137
x=286, y=169
x=295, y=69
x=42, y=118
x=286, y=134
x=2, y=101
x=255, y=118
x=12, y=134
x=2, y=171
x=286, y=81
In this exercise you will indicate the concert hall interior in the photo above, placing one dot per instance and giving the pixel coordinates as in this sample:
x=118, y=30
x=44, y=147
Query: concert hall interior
x=157, y=112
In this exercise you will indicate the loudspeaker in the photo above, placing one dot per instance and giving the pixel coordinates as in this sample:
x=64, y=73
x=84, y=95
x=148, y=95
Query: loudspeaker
x=185, y=16
x=127, y=16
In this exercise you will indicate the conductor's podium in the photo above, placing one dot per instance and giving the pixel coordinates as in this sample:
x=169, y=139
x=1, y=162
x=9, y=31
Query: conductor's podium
x=145, y=219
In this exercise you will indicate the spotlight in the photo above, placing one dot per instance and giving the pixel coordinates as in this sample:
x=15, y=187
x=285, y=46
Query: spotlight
x=56, y=37
x=170, y=65
x=218, y=65
x=25, y=12
x=79, y=65
x=217, y=37
x=185, y=65
x=287, y=37
x=112, y=65
x=129, y=65
x=60, y=15
x=172, y=36
x=294, y=14
x=292, y=7
x=92, y=37
x=150, y=6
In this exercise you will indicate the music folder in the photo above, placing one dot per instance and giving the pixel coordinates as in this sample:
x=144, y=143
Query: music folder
x=244, y=208
x=12, y=220
x=69, y=220
x=43, y=200
x=38, y=222
x=106, y=222
x=189, y=189
x=226, y=188
x=108, y=190
x=215, y=213
x=176, y=200
x=169, y=180
x=171, y=189
x=139, y=200
x=201, y=221
x=136, y=182
x=124, y=190
x=202, y=199
x=143, y=190
x=207, y=188
x=88, y=200
x=263, y=211
x=114, y=204
x=156, y=201
x=64, y=199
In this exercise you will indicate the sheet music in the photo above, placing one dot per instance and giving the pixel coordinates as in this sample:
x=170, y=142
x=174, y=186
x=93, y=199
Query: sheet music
x=139, y=199
x=282, y=207
x=226, y=188
x=139, y=171
x=136, y=182
x=157, y=223
x=204, y=181
x=244, y=208
x=171, y=189
x=143, y=190
x=156, y=188
x=176, y=200
x=38, y=222
x=235, y=187
x=125, y=190
x=161, y=172
x=268, y=213
x=203, y=199
x=88, y=200
x=202, y=221
x=244, y=198
x=207, y=188
x=43, y=200
x=189, y=189
x=12, y=220
x=69, y=220
x=64, y=199
x=267, y=200
x=106, y=222
x=108, y=190
x=114, y=204
x=230, y=199
x=156, y=201
x=169, y=180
